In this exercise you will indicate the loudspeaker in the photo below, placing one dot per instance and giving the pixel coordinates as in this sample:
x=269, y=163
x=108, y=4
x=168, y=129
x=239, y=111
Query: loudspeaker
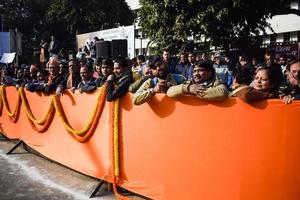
x=119, y=48
x=103, y=49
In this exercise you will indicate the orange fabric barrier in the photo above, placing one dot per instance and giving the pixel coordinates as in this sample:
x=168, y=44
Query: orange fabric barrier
x=174, y=149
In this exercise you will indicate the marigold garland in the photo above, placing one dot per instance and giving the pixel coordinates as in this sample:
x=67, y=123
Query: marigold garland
x=32, y=119
x=96, y=112
x=116, y=137
x=95, y=122
x=1, y=102
x=115, y=154
x=81, y=135
x=47, y=124
x=12, y=115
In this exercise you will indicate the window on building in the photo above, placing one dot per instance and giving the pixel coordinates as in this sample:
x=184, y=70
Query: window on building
x=273, y=38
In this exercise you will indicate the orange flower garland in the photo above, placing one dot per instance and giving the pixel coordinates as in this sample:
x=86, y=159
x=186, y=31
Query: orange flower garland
x=96, y=119
x=46, y=125
x=15, y=115
x=79, y=135
x=83, y=134
x=29, y=112
x=115, y=148
x=1, y=102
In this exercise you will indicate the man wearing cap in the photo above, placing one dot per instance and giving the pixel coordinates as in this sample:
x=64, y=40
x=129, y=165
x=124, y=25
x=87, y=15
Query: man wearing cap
x=204, y=84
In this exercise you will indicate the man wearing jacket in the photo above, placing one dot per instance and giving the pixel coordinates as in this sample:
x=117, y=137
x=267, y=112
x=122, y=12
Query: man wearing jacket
x=204, y=84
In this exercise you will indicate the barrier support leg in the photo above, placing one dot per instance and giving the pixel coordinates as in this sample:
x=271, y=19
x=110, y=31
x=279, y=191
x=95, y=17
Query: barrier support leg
x=16, y=146
x=2, y=136
x=98, y=188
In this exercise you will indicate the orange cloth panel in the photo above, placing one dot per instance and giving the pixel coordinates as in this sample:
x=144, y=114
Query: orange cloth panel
x=177, y=149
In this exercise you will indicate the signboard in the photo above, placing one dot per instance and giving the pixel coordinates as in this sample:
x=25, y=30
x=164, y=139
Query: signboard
x=7, y=58
x=288, y=49
x=123, y=32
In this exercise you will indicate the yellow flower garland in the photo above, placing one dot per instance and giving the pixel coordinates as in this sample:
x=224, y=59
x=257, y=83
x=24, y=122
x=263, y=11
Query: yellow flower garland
x=55, y=105
x=1, y=102
x=29, y=112
x=79, y=135
x=62, y=116
x=116, y=138
x=116, y=158
x=13, y=115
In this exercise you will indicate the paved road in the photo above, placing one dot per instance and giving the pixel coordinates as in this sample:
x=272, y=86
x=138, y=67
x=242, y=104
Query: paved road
x=26, y=176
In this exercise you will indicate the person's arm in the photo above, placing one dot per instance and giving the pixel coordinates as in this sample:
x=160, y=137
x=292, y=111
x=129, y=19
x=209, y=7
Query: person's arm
x=137, y=84
x=88, y=87
x=144, y=93
x=118, y=91
x=249, y=94
x=217, y=93
x=52, y=87
x=178, y=90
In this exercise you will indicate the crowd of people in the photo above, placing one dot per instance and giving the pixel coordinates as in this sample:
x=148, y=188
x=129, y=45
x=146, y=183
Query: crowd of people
x=193, y=74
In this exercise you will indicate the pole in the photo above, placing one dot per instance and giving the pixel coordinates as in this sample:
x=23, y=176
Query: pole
x=2, y=17
x=16, y=45
x=2, y=22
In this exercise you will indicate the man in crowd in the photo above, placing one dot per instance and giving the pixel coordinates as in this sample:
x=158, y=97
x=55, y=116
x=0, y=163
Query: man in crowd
x=147, y=73
x=158, y=84
x=54, y=78
x=106, y=70
x=291, y=90
x=119, y=82
x=88, y=83
x=275, y=68
x=72, y=79
x=204, y=84
x=167, y=59
x=183, y=66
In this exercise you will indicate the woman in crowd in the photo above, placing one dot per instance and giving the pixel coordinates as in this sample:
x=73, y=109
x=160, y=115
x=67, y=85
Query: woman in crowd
x=263, y=87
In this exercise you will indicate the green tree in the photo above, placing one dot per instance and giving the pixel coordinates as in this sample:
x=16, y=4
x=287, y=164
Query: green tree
x=27, y=17
x=37, y=19
x=223, y=23
x=73, y=17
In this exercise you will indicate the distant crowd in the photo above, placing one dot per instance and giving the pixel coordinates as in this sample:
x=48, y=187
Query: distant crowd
x=193, y=74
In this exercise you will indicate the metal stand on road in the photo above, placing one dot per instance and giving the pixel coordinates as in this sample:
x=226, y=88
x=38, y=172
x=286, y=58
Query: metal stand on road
x=98, y=188
x=4, y=137
x=16, y=146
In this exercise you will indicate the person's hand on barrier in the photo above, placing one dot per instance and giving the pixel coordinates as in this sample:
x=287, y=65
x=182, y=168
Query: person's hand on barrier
x=200, y=89
x=59, y=91
x=80, y=90
x=72, y=89
x=196, y=89
x=110, y=78
x=161, y=87
x=288, y=99
x=27, y=86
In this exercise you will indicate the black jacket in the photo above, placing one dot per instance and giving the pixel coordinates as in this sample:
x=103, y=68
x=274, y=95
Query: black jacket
x=119, y=87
